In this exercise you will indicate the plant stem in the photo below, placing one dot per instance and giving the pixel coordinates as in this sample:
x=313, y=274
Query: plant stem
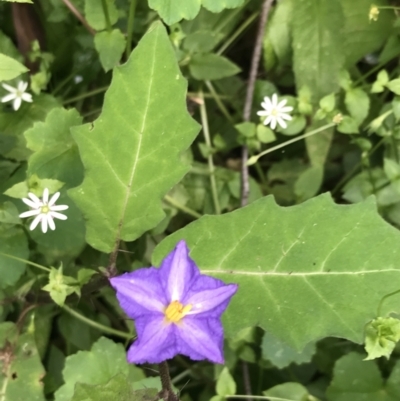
x=217, y=99
x=204, y=122
x=97, y=325
x=79, y=16
x=255, y=61
x=129, y=30
x=181, y=207
x=26, y=261
x=166, y=393
x=253, y=159
x=238, y=32
x=106, y=15
x=258, y=397
x=86, y=94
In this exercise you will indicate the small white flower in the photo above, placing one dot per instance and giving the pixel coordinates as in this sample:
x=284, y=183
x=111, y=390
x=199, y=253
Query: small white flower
x=275, y=112
x=45, y=210
x=17, y=95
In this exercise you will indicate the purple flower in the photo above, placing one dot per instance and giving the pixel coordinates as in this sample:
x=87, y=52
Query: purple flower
x=176, y=309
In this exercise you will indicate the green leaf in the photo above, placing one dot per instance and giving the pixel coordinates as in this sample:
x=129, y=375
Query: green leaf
x=12, y=242
x=210, y=66
x=139, y=165
x=94, y=13
x=265, y=134
x=105, y=360
x=21, y=372
x=110, y=46
x=225, y=383
x=278, y=30
x=294, y=126
x=360, y=36
x=328, y=102
x=13, y=125
x=60, y=286
x=317, y=45
x=289, y=391
x=382, y=80
x=284, y=279
x=55, y=154
x=318, y=145
x=281, y=355
x=172, y=11
x=348, y=125
x=392, y=169
x=394, y=86
x=10, y=68
x=117, y=388
x=381, y=336
x=247, y=129
x=35, y=185
x=9, y=213
x=309, y=183
x=357, y=380
x=357, y=103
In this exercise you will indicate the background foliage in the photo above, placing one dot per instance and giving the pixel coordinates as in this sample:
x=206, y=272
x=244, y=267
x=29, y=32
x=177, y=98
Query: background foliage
x=137, y=119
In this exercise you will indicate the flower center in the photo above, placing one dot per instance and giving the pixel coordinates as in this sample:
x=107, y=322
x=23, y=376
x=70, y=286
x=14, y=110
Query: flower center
x=175, y=311
x=274, y=112
x=45, y=209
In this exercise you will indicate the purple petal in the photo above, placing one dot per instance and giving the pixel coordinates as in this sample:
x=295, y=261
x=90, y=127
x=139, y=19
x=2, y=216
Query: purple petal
x=205, y=301
x=206, y=284
x=201, y=339
x=140, y=292
x=156, y=341
x=177, y=272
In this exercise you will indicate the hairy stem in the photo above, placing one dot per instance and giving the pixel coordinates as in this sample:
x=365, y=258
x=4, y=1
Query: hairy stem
x=79, y=16
x=255, y=61
x=166, y=393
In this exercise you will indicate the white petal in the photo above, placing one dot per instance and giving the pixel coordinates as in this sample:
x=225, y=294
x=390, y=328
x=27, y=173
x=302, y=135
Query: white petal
x=273, y=122
x=54, y=198
x=35, y=199
x=274, y=101
x=58, y=208
x=29, y=213
x=58, y=215
x=22, y=86
x=45, y=196
x=285, y=116
x=31, y=204
x=50, y=221
x=36, y=221
x=9, y=97
x=286, y=109
x=268, y=120
x=27, y=97
x=281, y=122
x=17, y=103
x=281, y=103
x=44, y=224
x=267, y=103
x=9, y=88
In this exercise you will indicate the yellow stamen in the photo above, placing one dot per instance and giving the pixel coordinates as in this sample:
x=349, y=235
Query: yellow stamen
x=175, y=311
x=45, y=209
